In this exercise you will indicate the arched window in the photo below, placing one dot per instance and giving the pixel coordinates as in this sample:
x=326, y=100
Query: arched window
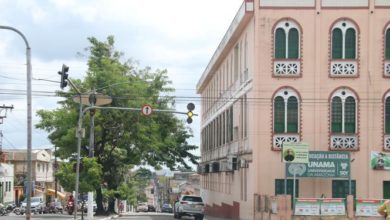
x=286, y=40
x=387, y=114
x=343, y=115
x=387, y=52
x=279, y=115
x=386, y=124
x=337, y=44
x=287, y=49
x=280, y=44
x=344, y=40
x=286, y=115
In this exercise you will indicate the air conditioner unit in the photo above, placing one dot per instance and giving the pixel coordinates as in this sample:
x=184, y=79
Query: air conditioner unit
x=214, y=167
x=207, y=168
x=243, y=163
x=231, y=164
x=200, y=169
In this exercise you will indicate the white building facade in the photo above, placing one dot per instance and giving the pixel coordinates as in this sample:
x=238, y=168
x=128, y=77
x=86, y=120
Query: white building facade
x=6, y=183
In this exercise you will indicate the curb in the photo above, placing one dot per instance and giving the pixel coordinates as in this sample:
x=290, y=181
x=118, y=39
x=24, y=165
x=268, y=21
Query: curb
x=110, y=217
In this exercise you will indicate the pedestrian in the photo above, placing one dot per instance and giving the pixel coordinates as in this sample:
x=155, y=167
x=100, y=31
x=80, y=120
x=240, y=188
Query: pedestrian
x=121, y=207
x=384, y=209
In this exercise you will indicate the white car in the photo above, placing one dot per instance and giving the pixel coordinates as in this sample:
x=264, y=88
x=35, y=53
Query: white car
x=189, y=205
x=142, y=207
x=37, y=205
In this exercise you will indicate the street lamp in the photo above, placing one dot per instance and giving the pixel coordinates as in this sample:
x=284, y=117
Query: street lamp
x=29, y=123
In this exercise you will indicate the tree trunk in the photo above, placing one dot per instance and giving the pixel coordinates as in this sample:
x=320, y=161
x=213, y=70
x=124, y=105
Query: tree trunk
x=111, y=205
x=99, y=202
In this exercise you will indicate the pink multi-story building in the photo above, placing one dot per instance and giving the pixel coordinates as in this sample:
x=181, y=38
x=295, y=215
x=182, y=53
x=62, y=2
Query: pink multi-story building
x=312, y=71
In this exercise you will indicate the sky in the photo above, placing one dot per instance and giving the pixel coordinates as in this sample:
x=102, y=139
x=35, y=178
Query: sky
x=178, y=35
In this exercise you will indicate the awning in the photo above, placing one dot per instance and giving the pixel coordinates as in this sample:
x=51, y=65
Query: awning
x=51, y=192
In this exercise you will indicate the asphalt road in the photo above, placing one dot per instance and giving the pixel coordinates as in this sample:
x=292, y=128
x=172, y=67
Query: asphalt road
x=129, y=216
x=40, y=216
x=157, y=216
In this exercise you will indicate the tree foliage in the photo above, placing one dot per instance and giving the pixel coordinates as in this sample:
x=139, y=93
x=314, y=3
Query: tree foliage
x=121, y=137
x=90, y=175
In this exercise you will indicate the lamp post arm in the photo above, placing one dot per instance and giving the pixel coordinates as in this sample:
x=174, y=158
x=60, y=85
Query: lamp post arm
x=132, y=109
x=17, y=31
x=29, y=117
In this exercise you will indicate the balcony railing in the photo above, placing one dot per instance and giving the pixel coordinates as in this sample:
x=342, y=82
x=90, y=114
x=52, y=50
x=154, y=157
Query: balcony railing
x=386, y=143
x=344, y=142
x=387, y=68
x=343, y=68
x=287, y=68
x=279, y=139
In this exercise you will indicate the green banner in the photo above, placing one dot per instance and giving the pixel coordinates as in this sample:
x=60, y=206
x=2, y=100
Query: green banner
x=380, y=160
x=327, y=164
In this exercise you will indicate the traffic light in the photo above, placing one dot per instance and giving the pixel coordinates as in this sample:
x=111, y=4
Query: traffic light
x=190, y=108
x=64, y=76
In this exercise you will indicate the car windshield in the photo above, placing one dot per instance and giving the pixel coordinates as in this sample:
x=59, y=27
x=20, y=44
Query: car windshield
x=35, y=200
x=166, y=206
x=192, y=198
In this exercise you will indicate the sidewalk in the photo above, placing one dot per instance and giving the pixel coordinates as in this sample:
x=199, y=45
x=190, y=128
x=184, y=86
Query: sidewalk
x=214, y=218
x=98, y=217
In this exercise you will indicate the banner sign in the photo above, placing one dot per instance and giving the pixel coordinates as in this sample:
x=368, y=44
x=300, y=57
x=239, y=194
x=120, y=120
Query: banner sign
x=295, y=152
x=368, y=207
x=317, y=207
x=333, y=207
x=380, y=161
x=307, y=207
x=327, y=164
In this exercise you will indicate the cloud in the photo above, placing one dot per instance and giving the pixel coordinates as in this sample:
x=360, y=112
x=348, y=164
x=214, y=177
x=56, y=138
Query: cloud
x=177, y=35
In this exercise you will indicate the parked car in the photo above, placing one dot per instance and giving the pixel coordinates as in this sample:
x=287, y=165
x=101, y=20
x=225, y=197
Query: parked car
x=166, y=208
x=142, y=207
x=151, y=208
x=37, y=204
x=189, y=205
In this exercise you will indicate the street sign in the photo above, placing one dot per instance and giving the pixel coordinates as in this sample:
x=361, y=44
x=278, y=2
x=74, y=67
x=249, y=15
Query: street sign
x=326, y=164
x=295, y=153
x=146, y=110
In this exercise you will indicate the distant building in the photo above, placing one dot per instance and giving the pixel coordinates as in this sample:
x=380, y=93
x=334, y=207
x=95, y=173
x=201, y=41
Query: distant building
x=42, y=170
x=7, y=183
x=185, y=183
x=312, y=71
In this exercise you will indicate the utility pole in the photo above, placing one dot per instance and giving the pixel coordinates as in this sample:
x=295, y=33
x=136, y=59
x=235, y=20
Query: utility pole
x=3, y=114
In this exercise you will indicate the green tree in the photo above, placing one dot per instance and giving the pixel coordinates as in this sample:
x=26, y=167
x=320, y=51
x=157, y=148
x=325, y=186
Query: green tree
x=90, y=175
x=121, y=137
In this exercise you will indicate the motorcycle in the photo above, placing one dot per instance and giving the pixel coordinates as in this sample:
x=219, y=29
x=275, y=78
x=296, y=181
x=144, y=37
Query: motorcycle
x=5, y=210
x=70, y=207
x=18, y=211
